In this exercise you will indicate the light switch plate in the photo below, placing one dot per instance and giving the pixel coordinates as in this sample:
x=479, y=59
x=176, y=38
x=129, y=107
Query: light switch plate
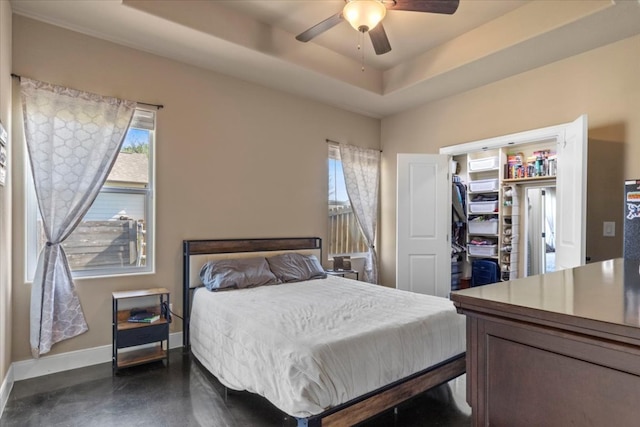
x=609, y=229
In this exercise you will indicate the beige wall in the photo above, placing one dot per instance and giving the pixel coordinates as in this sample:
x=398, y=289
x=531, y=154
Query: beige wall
x=5, y=194
x=602, y=83
x=605, y=198
x=233, y=159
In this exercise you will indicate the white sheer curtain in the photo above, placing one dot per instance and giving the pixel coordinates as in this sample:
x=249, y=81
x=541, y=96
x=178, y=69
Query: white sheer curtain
x=73, y=139
x=361, y=167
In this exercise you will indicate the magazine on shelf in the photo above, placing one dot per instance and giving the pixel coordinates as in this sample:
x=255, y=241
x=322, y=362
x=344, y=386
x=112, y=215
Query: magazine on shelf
x=143, y=317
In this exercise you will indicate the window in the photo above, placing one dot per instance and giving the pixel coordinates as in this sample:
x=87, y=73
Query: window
x=345, y=237
x=116, y=234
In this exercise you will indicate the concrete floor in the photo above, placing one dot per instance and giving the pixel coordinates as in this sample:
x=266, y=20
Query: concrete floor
x=184, y=394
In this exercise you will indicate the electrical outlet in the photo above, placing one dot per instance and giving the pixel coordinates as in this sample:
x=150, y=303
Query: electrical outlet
x=609, y=229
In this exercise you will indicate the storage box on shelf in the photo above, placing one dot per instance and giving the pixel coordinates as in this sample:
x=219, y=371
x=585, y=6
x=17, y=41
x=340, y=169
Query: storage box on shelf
x=151, y=337
x=482, y=250
x=483, y=207
x=483, y=185
x=482, y=164
x=483, y=225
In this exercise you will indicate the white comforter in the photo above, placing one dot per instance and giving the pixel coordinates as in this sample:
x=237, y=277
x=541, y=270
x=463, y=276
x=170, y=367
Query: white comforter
x=312, y=345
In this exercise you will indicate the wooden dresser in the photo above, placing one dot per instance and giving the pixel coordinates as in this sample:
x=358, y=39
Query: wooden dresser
x=560, y=349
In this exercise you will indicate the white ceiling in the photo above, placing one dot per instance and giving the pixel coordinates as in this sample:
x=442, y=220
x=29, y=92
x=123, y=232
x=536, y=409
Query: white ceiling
x=433, y=56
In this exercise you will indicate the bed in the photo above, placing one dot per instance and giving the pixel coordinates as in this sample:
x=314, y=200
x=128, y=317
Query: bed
x=328, y=351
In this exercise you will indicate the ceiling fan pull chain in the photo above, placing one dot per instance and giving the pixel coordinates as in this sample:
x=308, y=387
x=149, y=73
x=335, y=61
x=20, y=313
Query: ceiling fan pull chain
x=361, y=48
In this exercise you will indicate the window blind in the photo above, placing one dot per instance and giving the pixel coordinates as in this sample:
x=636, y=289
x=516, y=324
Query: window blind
x=143, y=119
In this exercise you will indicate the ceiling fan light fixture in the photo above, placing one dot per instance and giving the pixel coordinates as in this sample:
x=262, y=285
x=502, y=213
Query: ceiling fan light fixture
x=364, y=15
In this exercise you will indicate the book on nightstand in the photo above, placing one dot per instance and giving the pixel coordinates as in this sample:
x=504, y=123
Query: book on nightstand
x=143, y=317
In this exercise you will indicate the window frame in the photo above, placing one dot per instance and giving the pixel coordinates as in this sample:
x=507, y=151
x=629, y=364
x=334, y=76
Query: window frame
x=32, y=213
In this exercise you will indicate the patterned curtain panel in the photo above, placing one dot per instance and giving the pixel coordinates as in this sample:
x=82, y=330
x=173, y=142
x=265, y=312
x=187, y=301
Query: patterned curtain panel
x=73, y=139
x=361, y=167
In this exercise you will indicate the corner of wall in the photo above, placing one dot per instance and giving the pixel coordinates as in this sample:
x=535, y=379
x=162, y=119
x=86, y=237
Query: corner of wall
x=5, y=389
x=6, y=371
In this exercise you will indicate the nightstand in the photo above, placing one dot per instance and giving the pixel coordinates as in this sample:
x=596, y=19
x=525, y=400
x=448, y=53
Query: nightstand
x=343, y=273
x=127, y=334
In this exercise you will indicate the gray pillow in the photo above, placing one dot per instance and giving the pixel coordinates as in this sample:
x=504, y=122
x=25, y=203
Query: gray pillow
x=292, y=267
x=237, y=273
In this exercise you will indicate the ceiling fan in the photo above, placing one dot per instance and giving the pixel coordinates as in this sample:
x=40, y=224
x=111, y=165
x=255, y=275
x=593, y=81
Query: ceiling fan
x=366, y=16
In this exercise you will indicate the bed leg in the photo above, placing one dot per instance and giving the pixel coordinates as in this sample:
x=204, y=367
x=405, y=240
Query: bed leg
x=312, y=421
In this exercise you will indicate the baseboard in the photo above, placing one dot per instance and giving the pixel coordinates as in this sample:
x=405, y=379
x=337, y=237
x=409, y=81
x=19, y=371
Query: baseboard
x=46, y=365
x=5, y=389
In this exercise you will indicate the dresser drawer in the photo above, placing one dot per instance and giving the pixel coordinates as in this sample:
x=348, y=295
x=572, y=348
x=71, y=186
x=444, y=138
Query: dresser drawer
x=143, y=335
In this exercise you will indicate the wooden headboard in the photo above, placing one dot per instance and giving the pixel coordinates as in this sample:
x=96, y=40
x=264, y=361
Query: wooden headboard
x=197, y=252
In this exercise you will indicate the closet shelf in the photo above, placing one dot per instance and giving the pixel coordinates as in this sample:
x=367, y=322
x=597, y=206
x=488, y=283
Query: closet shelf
x=483, y=192
x=529, y=179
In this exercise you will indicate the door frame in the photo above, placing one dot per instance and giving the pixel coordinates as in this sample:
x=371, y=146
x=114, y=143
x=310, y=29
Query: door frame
x=556, y=134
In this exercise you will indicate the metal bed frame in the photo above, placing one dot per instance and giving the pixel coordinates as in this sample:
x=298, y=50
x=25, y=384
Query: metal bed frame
x=355, y=410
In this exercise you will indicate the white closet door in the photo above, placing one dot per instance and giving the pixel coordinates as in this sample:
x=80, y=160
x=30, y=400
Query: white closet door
x=571, y=199
x=423, y=252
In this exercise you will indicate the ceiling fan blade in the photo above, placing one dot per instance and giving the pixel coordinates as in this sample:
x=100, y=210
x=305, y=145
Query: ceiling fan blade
x=379, y=39
x=433, y=6
x=320, y=28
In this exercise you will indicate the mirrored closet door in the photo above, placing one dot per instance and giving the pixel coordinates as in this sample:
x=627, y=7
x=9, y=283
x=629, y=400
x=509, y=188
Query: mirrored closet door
x=540, y=229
